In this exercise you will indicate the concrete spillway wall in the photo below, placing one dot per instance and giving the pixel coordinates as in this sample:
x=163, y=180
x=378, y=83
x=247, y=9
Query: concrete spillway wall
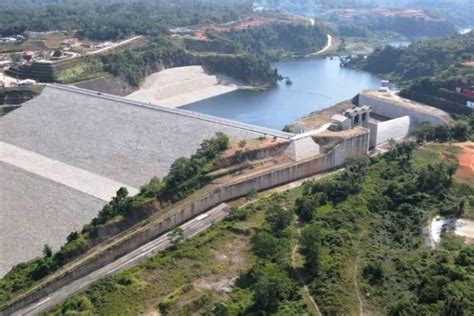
x=355, y=146
x=395, y=129
x=393, y=110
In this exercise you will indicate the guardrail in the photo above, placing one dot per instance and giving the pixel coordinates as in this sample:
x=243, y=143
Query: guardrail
x=209, y=118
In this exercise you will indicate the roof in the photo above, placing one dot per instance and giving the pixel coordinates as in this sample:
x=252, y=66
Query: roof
x=339, y=118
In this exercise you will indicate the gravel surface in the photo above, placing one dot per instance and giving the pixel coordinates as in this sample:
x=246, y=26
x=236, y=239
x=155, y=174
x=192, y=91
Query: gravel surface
x=120, y=141
x=35, y=211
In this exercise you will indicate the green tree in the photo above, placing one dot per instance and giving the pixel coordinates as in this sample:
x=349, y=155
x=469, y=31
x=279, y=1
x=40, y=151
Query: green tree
x=47, y=251
x=460, y=130
x=272, y=286
x=278, y=218
x=264, y=245
x=373, y=272
x=311, y=248
x=176, y=236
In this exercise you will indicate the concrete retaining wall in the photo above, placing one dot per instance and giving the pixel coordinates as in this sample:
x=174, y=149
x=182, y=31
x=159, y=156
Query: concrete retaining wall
x=392, y=110
x=382, y=132
x=351, y=147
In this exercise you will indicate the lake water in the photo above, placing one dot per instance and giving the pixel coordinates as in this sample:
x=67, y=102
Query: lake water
x=317, y=84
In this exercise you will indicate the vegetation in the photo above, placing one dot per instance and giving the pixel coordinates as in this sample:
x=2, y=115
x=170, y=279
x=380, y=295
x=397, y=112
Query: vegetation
x=114, y=19
x=247, y=68
x=372, y=214
x=18, y=95
x=187, y=273
x=366, y=22
x=185, y=176
x=442, y=92
x=378, y=223
x=461, y=130
x=421, y=59
x=135, y=65
x=277, y=40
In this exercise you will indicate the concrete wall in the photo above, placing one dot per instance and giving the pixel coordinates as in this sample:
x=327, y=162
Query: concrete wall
x=300, y=129
x=382, y=132
x=391, y=110
x=351, y=147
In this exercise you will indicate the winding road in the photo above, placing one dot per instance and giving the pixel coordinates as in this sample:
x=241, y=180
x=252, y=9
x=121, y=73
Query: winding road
x=325, y=48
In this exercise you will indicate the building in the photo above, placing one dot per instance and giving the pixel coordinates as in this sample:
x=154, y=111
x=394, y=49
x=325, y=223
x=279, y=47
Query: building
x=394, y=117
x=340, y=122
x=383, y=112
x=358, y=116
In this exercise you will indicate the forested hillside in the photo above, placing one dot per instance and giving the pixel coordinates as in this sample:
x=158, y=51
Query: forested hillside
x=422, y=58
x=115, y=19
x=364, y=22
x=445, y=90
x=277, y=40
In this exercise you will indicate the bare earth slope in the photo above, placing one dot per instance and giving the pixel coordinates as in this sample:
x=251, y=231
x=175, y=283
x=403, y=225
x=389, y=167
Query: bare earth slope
x=179, y=86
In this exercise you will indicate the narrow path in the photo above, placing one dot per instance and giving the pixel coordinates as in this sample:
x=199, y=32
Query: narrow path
x=148, y=250
x=361, y=311
x=300, y=277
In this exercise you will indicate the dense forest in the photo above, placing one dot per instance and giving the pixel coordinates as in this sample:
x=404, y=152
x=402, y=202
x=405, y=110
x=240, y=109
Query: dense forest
x=137, y=64
x=358, y=233
x=374, y=214
x=441, y=90
x=277, y=40
x=115, y=19
x=458, y=12
x=420, y=59
x=365, y=23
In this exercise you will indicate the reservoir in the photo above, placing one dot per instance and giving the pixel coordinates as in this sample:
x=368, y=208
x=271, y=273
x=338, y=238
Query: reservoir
x=317, y=84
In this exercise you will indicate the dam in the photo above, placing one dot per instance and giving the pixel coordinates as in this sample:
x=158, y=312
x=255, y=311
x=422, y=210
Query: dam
x=64, y=154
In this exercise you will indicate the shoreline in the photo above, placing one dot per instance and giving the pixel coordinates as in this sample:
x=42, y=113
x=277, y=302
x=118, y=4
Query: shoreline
x=180, y=86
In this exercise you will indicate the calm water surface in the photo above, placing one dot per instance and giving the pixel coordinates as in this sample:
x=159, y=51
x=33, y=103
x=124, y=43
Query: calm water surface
x=317, y=84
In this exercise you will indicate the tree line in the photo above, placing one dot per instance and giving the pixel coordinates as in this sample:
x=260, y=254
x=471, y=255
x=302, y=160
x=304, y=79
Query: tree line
x=115, y=19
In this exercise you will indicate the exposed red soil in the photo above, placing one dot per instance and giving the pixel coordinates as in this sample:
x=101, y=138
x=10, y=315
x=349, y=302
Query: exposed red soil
x=200, y=30
x=465, y=171
x=469, y=63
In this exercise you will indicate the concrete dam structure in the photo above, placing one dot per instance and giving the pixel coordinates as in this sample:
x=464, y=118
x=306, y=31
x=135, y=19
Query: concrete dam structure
x=64, y=154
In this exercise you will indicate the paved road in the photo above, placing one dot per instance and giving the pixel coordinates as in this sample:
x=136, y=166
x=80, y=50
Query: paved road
x=190, y=229
x=325, y=48
x=113, y=46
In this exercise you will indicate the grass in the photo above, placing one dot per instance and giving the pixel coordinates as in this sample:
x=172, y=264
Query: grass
x=426, y=155
x=82, y=71
x=174, y=281
x=445, y=148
